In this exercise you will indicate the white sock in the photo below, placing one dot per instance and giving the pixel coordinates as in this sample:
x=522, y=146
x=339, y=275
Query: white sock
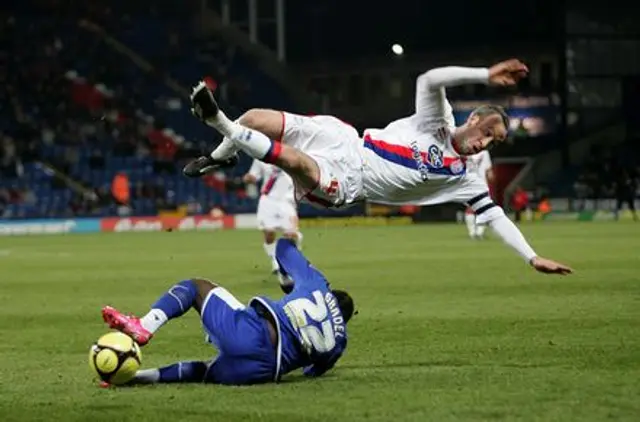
x=153, y=320
x=274, y=265
x=225, y=150
x=299, y=238
x=147, y=376
x=480, y=228
x=270, y=250
x=223, y=124
x=255, y=144
x=470, y=220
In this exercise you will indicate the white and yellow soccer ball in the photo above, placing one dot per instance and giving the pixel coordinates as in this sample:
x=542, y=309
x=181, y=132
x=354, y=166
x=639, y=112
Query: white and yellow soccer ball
x=115, y=358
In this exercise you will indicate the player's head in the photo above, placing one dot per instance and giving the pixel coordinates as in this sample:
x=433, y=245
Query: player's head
x=486, y=127
x=345, y=303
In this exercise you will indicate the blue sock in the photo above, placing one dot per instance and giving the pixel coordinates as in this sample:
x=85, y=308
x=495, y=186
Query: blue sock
x=191, y=371
x=178, y=300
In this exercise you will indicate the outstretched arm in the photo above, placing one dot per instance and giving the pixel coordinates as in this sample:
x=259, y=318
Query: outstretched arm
x=430, y=94
x=487, y=212
x=255, y=173
x=443, y=77
x=513, y=237
x=430, y=85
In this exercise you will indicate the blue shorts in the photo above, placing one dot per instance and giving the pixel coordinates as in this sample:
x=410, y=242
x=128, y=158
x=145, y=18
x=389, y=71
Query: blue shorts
x=246, y=354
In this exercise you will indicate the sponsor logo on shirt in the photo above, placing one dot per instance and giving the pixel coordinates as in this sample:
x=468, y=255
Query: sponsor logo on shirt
x=434, y=156
x=417, y=157
x=457, y=167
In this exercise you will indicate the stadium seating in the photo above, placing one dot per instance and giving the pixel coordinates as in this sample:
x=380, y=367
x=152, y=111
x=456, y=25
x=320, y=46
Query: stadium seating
x=110, y=100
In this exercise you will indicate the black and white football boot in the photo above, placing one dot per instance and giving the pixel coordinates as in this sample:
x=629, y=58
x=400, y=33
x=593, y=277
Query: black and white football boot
x=205, y=164
x=205, y=108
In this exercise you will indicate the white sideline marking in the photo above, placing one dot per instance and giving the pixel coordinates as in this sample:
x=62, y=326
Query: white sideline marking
x=31, y=254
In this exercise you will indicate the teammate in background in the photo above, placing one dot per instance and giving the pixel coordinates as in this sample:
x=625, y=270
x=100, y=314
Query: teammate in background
x=416, y=160
x=277, y=207
x=625, y=185
x=258, y=343
x=480, y=164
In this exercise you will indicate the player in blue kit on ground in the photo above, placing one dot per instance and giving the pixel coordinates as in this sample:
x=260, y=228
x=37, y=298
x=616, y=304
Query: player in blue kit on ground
x=257, y=343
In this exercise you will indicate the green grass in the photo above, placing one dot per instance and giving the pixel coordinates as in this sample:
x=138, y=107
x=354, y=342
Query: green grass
x=448, y=329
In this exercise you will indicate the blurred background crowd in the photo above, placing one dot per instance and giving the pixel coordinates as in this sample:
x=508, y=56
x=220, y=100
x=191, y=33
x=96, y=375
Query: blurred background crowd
x=95, y=118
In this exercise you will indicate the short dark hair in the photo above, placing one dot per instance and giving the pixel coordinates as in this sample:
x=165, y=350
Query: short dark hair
x=345, y=303
x=488, y=109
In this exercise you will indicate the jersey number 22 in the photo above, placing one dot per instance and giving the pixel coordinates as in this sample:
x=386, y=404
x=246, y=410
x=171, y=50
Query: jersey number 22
x=314, y=322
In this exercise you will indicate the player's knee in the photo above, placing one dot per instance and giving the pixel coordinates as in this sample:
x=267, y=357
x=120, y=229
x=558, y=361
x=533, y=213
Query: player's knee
x=269, y=236
x=203, y=287
x=268, y=122
x=290, y=235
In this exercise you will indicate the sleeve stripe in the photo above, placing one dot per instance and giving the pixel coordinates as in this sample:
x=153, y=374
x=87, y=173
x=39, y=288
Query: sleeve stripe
x=484, y=208
x=477, y=198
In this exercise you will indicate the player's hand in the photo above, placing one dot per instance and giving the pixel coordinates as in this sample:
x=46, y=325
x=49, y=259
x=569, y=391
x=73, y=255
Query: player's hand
x=507, y=73
x=548, y=266
x=249, y=179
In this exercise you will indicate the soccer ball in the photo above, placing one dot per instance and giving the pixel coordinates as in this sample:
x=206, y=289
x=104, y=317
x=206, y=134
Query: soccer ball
x=115, y=357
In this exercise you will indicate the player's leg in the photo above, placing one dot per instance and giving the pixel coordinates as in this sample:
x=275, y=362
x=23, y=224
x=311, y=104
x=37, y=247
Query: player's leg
x=223, y=318
x=470, y=221
x=268, y=125
x=286, y=284
x=268, y=122
x=269, y=246
x=184, y=372
x=174, y=303
x=619, y=203
x=246, y=342
x=632, y=207
x=290, y=225
x=480, y=229
x=254, y=133
x=268, y=216
x=259, y=128
x=291, y=232
x=295, y=235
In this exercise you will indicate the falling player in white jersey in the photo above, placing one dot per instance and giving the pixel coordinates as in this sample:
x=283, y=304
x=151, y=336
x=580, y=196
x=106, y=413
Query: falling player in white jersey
x=480, y=164
x=416, y=160
x=277, y=207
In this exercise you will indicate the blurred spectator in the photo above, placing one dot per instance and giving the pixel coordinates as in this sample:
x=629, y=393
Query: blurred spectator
x=82, y=108
x=581, y=191
x=544, y=206
x=519, y=202
x=193, y=207
x=120, y=189
x=625, y=189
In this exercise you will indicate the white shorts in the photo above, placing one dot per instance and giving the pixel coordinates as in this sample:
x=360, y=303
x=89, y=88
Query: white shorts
x=275, y=214
x=335, y=146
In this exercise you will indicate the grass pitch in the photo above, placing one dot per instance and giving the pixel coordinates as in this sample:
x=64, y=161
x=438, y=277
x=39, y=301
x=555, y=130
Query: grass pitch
x=448, y=329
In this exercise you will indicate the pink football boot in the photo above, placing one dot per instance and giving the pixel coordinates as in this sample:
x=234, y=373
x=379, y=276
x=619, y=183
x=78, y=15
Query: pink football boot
x=128, y=325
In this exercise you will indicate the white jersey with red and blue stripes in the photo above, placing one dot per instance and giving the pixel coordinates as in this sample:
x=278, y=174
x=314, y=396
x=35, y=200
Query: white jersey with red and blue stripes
x=479, y=163
x=410, y=162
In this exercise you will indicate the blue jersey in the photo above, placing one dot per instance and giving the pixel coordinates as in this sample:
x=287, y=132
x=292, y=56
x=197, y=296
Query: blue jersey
x=312, y=332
